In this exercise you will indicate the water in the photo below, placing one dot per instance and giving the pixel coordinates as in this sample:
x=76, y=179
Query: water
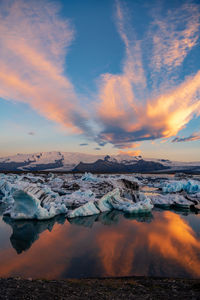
x=164, y=243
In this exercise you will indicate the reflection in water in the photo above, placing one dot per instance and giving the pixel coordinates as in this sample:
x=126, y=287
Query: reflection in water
x=110, y=218
x=162, y=244
x=25, y=233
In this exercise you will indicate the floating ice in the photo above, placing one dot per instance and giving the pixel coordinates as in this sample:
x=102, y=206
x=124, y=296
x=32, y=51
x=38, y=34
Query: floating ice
x=143, y=205
x=189, y=186
x=110, y=201
x=104, y=204
x=78, y=198
x=89, y=177
x=29, y=207
x=87, y=209
x=166, y=201
x=30, y=196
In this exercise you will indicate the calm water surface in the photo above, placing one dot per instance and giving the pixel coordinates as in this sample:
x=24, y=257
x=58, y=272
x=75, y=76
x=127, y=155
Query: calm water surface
x=163, y=243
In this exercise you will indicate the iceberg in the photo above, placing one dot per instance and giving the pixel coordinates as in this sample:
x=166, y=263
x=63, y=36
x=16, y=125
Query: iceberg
x=26, y=232
x=189, y=186
x=78, y=198
x=142, y=206
x=104, y=204
x=110, y=201
x=29, y=207
x=41, y=197
x=87, y=209
x=6, y=187
x=89, y=177
x=166, y=201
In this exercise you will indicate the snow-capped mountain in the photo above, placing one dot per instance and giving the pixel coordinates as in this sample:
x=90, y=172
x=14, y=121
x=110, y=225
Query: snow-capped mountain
x=68, y=161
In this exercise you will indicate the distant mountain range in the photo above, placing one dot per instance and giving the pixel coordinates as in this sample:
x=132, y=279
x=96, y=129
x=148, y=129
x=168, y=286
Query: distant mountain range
x=80, y=162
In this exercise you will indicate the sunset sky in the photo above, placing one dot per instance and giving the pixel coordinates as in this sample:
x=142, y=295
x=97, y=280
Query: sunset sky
x=100, y=76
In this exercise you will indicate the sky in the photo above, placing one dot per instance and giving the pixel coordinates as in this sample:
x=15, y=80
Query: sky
x=100, y=77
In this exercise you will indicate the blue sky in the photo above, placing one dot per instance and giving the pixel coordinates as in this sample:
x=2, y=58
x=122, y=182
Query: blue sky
x=100, y=77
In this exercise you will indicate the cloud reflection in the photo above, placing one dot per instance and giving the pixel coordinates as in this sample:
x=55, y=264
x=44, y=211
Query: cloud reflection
x=163, y=246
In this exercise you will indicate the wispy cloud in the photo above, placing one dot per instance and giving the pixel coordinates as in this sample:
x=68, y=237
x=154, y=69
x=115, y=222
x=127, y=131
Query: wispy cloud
x=126, y=115
x=192, y=137
x=127, y=145
x=174, y=35
x=33, y=43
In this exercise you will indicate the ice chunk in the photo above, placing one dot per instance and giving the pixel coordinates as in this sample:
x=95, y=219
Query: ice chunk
x=171, y=200
x=126, y=205
x=189, y=186
x=29, y=207
x=6, y=187
x=104, y=204
x=89, y=177
x=87, y=209
x=113, y=200
x=78, y=198
x=56, y=182
x=110, y=201
x=128, y=183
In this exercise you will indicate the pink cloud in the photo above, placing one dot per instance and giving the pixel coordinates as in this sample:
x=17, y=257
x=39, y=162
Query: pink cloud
x=128, y=118
x=33, y=41
x=171, y=45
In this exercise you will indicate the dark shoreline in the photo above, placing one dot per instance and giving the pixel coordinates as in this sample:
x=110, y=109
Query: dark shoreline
x=100, y=288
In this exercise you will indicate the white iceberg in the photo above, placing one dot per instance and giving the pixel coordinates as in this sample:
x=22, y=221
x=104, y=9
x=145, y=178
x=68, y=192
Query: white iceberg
x=104, y=204
x=87, y=209
x=166, y=201
x=110, y=201
x=143, y=205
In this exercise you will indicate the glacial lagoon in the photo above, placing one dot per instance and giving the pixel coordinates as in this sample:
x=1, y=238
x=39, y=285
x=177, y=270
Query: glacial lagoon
x=162, y=243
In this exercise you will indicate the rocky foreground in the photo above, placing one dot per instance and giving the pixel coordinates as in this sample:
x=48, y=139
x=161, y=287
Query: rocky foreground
x=105, y=288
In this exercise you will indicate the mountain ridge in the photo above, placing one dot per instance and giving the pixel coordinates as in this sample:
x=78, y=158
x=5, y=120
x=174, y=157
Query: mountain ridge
x=82, y=162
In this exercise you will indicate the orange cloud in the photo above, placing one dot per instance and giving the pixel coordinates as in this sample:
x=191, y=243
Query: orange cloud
x=131, y=153
x=168, y=239
x=128, y=117
x=34, y=41
x=33, y=47
x=127, y=145
x=177, y=238
x=128, y=248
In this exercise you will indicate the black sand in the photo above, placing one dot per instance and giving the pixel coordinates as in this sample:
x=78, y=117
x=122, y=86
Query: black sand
x=105, y=288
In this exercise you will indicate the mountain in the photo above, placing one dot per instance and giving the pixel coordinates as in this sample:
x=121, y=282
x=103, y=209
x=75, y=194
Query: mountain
x=104, y=166
x=81, y=162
